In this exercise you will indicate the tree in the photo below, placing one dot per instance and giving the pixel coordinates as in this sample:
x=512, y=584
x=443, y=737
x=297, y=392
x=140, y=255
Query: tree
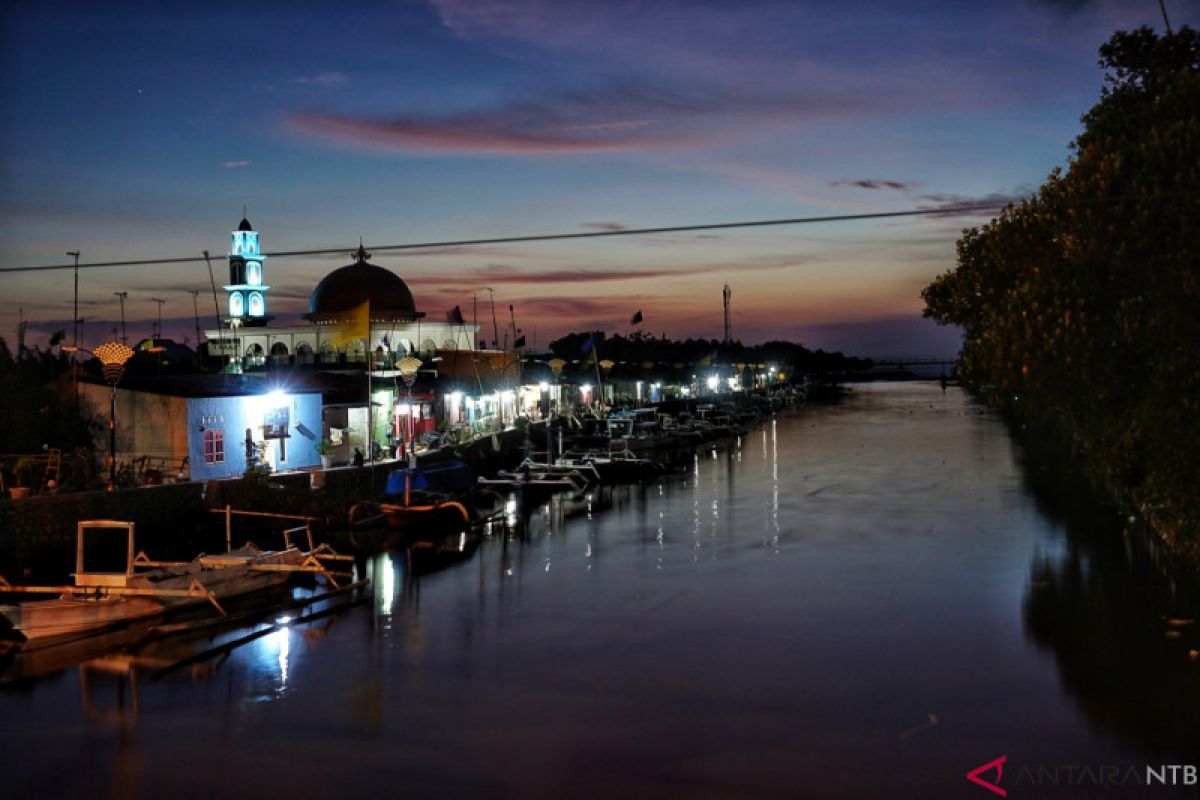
x=1080, y=306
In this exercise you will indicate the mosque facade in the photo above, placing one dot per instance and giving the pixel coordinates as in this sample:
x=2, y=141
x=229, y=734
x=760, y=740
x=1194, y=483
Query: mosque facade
x=360, y=296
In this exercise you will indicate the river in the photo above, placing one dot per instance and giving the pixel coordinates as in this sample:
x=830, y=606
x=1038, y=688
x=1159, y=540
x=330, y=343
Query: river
x=868, y=598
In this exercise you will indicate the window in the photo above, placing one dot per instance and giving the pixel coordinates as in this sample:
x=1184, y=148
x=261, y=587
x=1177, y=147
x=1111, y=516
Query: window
x=214, y=446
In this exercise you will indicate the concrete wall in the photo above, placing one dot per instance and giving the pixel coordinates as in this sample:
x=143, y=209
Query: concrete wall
x=37, y=534
x=147, y=424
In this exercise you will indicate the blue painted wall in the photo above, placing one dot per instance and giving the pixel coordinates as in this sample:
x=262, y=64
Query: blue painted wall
x=233, y=415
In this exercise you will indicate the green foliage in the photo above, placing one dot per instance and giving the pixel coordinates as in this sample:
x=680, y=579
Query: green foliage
x=1080, y=305
x=323, y=447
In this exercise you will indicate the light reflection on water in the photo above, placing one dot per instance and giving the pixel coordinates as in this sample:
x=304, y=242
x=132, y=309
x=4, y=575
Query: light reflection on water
x=780, y=618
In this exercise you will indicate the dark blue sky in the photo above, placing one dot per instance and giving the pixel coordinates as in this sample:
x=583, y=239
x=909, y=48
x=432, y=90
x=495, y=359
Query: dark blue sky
x=130, y=131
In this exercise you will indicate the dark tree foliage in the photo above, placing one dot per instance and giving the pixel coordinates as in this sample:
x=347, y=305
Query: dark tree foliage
x=32, y=413
x=641, y=348
x=1080, y=306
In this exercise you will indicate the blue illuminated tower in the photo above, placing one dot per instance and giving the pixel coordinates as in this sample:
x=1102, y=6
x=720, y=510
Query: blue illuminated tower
x=246, y=290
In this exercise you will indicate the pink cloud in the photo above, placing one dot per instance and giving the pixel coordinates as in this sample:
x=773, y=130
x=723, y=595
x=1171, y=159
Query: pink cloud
x=899, y=186
x=477, y=136
x=617, y=118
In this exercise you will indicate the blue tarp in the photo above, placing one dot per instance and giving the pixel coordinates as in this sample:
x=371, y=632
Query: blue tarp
x=445, y=476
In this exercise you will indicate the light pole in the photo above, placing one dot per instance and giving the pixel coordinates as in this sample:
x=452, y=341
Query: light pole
x=112, y=356
x=75, y=319
x=75, y=328
x=158, y=330
x=121, y=296
x=195, y=293
x=408, y=367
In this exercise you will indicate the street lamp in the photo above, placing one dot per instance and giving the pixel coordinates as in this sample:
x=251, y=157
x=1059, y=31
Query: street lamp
x=408, y=367
x=112, y=356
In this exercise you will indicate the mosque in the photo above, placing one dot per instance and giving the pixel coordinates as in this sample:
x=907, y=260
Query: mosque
x=356, y=310
x=396, y=328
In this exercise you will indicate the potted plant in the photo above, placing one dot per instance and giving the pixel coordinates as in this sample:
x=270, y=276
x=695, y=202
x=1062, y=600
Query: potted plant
x=23, y=471
x=324, y=449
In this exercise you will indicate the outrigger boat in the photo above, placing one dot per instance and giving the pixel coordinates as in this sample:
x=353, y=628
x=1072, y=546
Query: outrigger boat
x=102, y=601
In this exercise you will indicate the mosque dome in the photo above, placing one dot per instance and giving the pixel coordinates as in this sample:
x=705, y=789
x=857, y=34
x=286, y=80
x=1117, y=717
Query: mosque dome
x=347, y=288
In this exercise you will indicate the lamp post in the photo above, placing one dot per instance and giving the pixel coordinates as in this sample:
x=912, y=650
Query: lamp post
x=121, y=296
x=408, y=367
x=112, y=356
x=556, y=366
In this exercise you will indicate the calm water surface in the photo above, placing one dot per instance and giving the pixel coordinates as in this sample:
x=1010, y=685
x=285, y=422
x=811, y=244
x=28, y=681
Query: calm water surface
x=866, y=599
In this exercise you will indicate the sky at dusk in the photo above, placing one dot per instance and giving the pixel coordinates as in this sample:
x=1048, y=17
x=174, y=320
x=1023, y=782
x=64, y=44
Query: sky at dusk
x=139, y=131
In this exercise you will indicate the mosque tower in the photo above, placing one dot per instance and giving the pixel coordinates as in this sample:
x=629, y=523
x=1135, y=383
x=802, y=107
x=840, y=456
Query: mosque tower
x=247, y=294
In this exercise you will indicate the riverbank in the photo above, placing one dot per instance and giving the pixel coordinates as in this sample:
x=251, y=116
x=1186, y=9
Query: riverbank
x=1174, y=530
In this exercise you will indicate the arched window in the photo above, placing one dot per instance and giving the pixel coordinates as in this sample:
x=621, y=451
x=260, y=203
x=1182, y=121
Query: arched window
x=254, y=350
x=279, y=349
x=257, y=306
x=236, y=304
x=428, y=346
x=449, y=344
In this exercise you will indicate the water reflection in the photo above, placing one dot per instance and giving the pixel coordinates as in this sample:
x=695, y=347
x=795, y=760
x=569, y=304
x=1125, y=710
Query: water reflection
x=873, y=584
x=1121, y=628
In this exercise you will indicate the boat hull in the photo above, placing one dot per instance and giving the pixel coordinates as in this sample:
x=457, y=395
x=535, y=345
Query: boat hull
x=44, y=622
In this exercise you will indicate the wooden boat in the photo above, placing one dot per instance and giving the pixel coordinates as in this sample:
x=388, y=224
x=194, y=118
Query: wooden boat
x=616, y=466
x=449, y=515
x=533, y=488
x=102, y=601
x=581, y=474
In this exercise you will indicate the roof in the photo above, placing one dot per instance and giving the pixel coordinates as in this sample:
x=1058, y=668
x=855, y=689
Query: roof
x=345, y=289
x=245, y=225
x=199, y=384
x=334, y=388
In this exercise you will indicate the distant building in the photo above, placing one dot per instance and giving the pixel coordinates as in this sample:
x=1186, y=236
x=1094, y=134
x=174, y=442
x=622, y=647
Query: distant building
x=459, y=386
x=396, y=328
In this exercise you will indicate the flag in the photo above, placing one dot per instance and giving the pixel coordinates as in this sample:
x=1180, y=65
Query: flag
x=520, y=342
x=637, y=318
x=386, y=346
x=455, y=317
x=354, y=324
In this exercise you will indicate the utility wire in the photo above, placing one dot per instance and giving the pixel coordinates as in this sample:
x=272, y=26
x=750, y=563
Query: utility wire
x=761, y=223
x=550, y=237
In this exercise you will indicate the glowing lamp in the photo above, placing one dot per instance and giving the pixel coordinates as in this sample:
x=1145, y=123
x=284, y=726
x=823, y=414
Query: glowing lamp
x=113, y=356
x=408, y=367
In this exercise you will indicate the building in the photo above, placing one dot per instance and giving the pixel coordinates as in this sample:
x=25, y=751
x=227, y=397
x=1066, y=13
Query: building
x=362, y=314
x=394, y=327
x=208, y=426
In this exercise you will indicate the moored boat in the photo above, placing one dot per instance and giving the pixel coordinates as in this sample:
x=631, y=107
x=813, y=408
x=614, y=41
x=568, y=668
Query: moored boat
x=101, y=601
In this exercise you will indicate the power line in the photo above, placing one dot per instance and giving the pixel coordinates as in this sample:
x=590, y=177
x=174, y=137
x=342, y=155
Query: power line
x=549, y=237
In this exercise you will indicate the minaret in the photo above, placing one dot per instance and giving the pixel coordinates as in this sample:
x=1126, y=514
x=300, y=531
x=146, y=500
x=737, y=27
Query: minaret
x=246, y=290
